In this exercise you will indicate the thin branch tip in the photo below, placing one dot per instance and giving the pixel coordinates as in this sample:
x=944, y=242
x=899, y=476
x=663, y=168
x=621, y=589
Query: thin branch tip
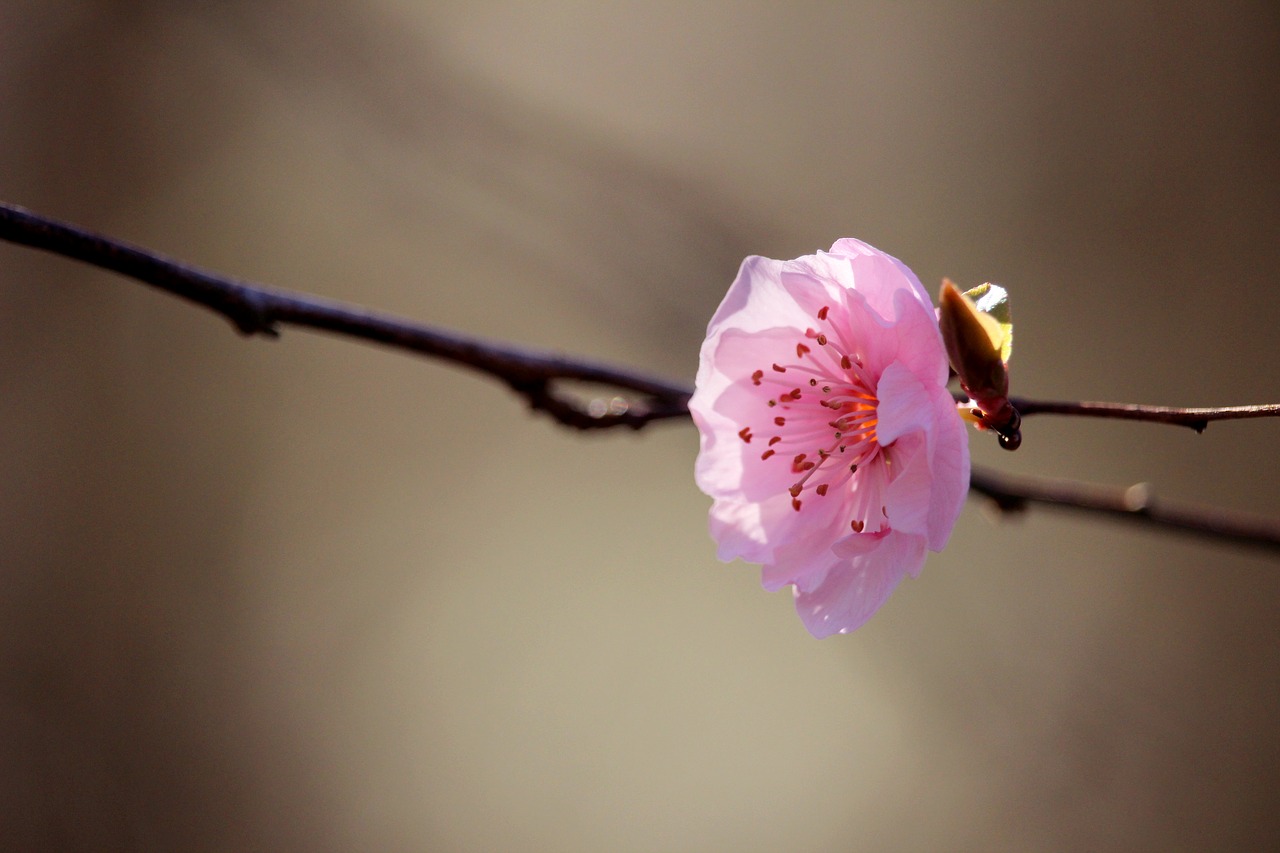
x=1135, y=504
x=1197, y=419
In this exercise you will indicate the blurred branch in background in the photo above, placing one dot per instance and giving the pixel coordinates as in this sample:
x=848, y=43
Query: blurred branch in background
x=539, y=376
x=1136, y=504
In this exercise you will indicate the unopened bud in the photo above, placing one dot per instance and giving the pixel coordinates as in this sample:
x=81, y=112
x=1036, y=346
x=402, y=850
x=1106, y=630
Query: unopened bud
x=977, y=345
x=973, y=341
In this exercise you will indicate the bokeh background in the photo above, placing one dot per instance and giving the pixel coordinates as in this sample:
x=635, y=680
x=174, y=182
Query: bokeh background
x=311, y=595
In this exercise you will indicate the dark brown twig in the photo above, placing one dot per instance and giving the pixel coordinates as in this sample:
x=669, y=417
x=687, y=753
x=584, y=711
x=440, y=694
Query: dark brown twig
x=1136, y=504
x=1196, y=419
x=537, y=376
x=256, y=310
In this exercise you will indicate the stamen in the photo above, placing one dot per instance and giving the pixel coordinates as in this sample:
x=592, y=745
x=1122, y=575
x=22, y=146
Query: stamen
x=857, y=525
x=807, y=439
x=822, y=312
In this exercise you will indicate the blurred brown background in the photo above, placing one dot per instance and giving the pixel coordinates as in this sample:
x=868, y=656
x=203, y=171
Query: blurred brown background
x=309, y=595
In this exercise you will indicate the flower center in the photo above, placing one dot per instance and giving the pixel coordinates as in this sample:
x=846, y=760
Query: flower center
x=824, y=418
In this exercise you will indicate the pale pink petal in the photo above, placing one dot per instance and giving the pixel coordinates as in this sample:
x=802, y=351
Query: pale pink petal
x=949, y=464
x=852, y=592
x=756, y=300
x=907, y=499
x=878, y=276
x=806, y=560
x=905, y=405
x=918, y=341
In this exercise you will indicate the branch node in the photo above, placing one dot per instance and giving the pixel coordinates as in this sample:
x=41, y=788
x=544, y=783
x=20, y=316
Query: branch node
x=1139, y=498
x=250, y=312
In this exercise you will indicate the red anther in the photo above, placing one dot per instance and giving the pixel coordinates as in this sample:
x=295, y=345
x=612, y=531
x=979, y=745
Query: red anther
x=845, y=362
x=779, y=369
x=822, y=489
x=857, y=525
x=766, y=454
x=756, y=377
x=808, y=466
x=799, y=459
x=822, y=340
x=780, y=421
x=795, y=504
x=822, y=312
x=775, y=440
x=745, y=434
x=802, y=350
x=796, y=490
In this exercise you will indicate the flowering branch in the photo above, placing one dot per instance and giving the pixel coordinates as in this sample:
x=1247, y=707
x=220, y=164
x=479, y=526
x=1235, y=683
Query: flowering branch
x=1135, y=504
x=539, y=376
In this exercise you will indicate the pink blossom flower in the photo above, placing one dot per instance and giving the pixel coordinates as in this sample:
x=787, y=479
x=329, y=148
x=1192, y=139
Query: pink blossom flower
x=830, y=445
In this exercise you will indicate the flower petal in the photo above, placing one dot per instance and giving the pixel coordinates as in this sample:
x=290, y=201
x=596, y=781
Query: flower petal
x=878, y=276
x=853, y=591
x=949, y=465
x=905, y=405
